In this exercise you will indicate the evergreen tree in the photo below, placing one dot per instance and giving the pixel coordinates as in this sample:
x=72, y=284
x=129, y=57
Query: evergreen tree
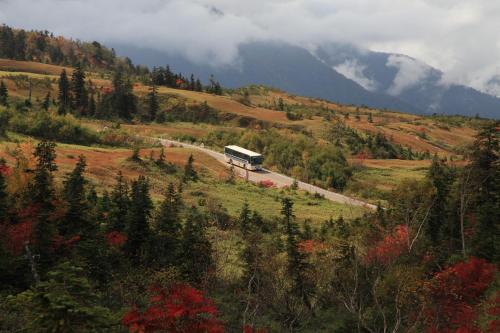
x=196, y=249
x=169, y=226
x=370, y=118
x=92, y=105
x=64, y=96
x=199, y=86
x=78, y=90
x=119, y=204
x=76, y=221
x=65, y=302
x=138, y=230
x=485, y=182
x=4, y=94
x=189, y=171
x=42, y=198
x=297, y=265
x=153, y=105
x=192, y=83
x=441, y=177
x=244, y=220
x=46, y=102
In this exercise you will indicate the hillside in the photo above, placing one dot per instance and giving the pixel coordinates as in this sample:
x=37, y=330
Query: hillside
x=102, y=222
x=256, y=107
x=339, y=73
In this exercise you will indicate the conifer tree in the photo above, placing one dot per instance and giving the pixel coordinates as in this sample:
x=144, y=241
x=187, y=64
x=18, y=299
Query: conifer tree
x=244, y=220
x=169, y=226
x=64, y=96
x=76, y=220
x=199, y=86
x=46, y=102
x=153, y=105
x=441, y=177
x=196, y=249
x=189, y=171
x=138, y=230
x=119, y=204
x=92, y=105
x=4, y=94
x=42, y=197
x=65, y=302
x=78, y=90
x=297, y=265
x=370, y=118
x=485, y=183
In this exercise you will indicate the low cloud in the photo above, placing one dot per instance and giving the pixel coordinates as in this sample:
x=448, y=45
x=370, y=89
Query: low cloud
x=410, y=72
x=457, y=36
x=352, y=70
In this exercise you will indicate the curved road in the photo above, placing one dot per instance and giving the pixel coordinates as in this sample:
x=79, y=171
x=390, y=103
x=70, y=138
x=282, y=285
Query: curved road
x=277, y=178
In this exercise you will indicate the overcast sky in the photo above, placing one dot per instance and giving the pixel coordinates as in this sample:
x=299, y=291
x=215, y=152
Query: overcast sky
x=460, y=37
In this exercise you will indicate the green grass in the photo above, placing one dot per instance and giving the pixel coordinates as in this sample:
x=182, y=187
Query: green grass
x=268, y=200
x=375, y=185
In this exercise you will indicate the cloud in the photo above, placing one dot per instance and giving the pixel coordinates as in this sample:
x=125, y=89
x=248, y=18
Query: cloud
x=457, y=36
x=352, y=70
x=410, y=72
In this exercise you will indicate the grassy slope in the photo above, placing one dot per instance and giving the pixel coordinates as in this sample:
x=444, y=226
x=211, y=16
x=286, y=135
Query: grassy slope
x=104, y=164
x=372, y=181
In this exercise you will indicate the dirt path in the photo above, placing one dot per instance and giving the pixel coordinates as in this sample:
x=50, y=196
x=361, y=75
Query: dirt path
x=278, y=179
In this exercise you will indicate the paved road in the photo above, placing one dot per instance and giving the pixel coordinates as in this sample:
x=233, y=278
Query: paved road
x=277, y=178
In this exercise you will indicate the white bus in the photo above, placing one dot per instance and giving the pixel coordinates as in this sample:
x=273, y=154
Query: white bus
x=242, y=157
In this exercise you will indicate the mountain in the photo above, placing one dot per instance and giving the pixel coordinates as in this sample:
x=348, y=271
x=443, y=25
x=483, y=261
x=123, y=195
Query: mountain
x=337, y=72
x=408, y=79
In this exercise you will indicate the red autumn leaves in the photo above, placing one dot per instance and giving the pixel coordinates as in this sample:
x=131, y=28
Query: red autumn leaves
x=390, y=247
x=180, y=309
x=455, y=297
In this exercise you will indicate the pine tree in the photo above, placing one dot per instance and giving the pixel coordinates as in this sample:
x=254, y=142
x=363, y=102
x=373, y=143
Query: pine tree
x=78, y=90
x=297, y=266
x=92, y=105
x=189, y=171
x=120, y=203
x=441, y=177
x=196, y=249
x=64, y=97
x=76, y=221
x=138, y=230
x=4, y=94
x=46, y=102
x=192, y=83
x=244, y=220
x=485, y=173
x=370, y=118
x=168, y=225
x=42, y=198
x=65, y=302
x=153, y=105
x=199, y=86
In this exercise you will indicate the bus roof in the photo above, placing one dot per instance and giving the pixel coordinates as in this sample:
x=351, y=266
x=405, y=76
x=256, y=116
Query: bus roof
x=243, y=150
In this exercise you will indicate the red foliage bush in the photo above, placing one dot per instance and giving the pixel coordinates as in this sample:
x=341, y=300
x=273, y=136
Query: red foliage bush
x=266, y=183
x=61, y=243
x=116, y=239
x=180, y=309
x=454, y=295
x=390, y=247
